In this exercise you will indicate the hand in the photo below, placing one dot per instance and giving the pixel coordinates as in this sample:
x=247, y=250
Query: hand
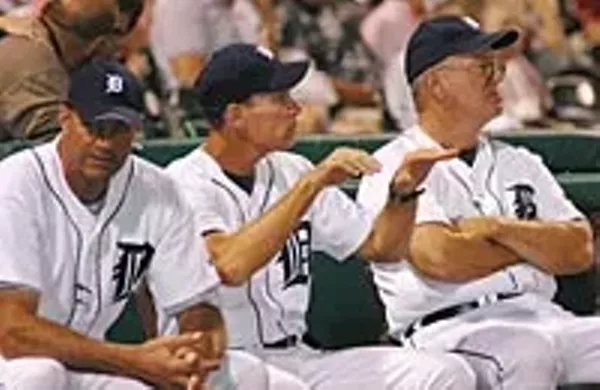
x=416, y=166
x=170, y=361
x=345, y=163
x=204, y=366
x=485, y=227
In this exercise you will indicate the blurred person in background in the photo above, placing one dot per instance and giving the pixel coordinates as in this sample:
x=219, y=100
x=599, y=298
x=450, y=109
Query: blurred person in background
x=185, y=33
x=138, y=57
x=38, y=52
x=9, y=5
x=386, y=29
x=328, y=33
x=588, y=13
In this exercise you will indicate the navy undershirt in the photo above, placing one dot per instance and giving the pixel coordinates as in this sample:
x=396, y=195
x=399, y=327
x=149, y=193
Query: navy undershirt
x=245, y=182
x=468, y=156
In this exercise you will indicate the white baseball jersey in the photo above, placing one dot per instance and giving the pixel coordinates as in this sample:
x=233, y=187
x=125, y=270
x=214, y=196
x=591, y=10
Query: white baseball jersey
x=272, y=305
x=504, y=180
x=85, y=266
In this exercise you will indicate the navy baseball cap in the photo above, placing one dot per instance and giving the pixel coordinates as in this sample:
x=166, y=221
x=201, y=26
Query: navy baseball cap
x=236, y=72
x=104, y=90
x=438, y=38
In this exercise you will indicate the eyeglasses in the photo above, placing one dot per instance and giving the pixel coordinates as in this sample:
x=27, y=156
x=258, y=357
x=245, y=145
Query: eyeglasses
x=490, y=68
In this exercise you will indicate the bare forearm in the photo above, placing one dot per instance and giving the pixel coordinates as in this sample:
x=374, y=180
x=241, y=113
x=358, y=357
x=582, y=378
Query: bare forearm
x=38, y=337
x=457, y=257
x=257, y=242
x=556, y=247
x=389, y=240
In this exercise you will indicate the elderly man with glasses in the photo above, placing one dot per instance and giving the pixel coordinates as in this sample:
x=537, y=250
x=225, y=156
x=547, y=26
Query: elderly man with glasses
x=492, y=230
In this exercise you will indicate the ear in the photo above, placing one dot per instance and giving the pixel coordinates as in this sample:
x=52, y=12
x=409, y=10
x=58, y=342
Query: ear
x=64, y=114
x=436, y=84
x=234, y=116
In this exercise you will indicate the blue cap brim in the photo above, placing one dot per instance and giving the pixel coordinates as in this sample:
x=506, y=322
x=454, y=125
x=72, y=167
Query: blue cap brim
x=126, y=115
x=489, y=41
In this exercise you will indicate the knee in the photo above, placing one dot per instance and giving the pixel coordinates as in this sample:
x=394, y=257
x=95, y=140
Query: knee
x=452, y=373
x=240, y=370
x=36, y=373
x=534, y=352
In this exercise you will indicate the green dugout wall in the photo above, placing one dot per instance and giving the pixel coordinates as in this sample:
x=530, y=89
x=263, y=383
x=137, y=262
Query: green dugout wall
x=345, y=309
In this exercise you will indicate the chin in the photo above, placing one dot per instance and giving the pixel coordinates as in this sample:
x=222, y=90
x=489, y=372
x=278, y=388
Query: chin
x=98, y=172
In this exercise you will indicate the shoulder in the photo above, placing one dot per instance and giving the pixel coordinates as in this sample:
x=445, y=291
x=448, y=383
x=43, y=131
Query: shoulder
x=152, y=179
x=290, y=163
x=193, y=166
x=516, y=156
x=26, y=41
x=393, y=151
x=20, y=174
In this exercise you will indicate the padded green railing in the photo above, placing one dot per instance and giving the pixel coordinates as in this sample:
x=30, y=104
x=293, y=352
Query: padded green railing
x=345, y=309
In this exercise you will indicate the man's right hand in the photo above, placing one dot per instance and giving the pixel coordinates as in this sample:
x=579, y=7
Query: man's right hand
x=344, y=163
x=161, y=362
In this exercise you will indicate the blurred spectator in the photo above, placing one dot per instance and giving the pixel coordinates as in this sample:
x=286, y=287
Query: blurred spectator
x=135, y=53
x=37, y=54
x=388, y=26
x=588, y=12
x=398, y=98
x=186, y=32
x=9, y=5
x=328, y=32
x=541, y=26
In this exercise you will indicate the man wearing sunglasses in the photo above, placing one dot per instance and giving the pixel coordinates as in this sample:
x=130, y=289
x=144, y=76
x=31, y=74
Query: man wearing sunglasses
x=38, y=53
x=83, y=225
x=492, y=230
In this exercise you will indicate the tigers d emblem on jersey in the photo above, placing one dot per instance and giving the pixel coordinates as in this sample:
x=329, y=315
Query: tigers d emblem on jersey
x=134, y=260
x=523, y=203
x=295, y=256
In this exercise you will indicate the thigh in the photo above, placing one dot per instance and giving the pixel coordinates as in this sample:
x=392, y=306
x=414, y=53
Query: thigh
x=383, y=367
x=86, y=381
x=510, y=357
x=578, y=344
x=240, y=371
x=280, y=379
x=32, y=374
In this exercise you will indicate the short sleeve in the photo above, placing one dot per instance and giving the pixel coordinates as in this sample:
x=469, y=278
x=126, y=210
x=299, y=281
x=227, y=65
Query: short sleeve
x=20, y=249
x=340, y=225
x=181, y=273
x=552, y=202
x=373, y=191
x=205, y=201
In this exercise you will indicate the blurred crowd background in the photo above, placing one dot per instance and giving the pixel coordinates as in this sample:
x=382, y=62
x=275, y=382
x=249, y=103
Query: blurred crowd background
x=356, y=84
